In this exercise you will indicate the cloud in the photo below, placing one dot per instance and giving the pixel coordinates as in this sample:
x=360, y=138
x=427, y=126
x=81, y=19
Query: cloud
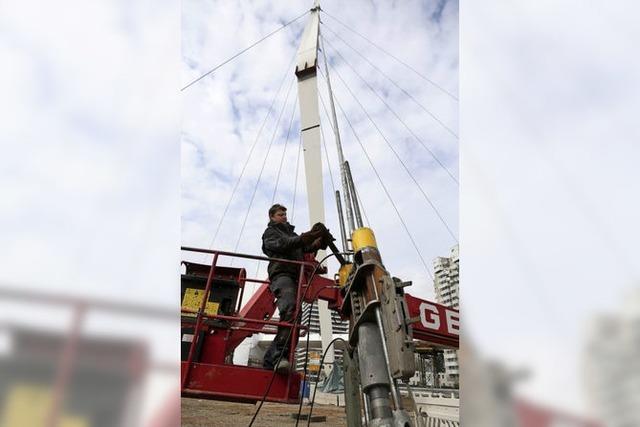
x=90, y=171
x=234, y=101
x=547, y=142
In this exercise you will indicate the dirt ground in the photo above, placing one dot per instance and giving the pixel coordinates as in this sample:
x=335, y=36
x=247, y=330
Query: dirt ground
x=211, y=413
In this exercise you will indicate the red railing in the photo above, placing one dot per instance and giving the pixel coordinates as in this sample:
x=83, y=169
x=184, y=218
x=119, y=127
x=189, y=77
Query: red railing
x=201, y=315
x=69, y=355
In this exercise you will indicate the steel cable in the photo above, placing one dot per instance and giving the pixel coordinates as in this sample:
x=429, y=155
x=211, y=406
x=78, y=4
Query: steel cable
x=427, y=198
x=241, y=52
x=393, y=111
x=255, y=189
x=284, y=151
x=253, y=146
x=362, y=208
x=295, y=185
x=384, y=188
x=306, y=351
x=326, y=153
x=316, y=387
x=391, y=55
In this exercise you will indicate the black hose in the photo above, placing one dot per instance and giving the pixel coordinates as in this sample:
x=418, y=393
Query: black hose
x=296, y=320
x=318, y=377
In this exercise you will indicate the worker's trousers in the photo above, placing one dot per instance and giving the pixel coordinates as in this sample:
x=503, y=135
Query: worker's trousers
x=284, y=288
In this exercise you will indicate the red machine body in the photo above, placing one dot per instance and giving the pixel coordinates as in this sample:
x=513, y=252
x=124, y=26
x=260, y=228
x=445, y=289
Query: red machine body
x=207, y=367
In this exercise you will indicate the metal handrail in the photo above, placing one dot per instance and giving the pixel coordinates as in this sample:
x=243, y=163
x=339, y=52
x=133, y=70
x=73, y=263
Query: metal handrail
x=247, y=256
x=201, y=314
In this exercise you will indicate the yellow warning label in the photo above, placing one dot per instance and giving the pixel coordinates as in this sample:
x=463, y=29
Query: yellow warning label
x=314, y=361
x=192, y=300
x=29, y=405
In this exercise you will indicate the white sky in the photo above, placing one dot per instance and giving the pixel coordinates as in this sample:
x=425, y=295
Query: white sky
x=549, y=183
x=224, y=111
x=89, y=175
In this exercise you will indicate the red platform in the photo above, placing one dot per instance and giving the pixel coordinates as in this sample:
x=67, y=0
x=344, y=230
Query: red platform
x=215, y=336
x=240, y=384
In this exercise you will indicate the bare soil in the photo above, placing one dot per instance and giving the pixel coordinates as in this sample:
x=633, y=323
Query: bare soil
x=211, y=413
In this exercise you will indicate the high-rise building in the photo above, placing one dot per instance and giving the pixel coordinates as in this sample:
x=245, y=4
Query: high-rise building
x=310, y=317
x=446, y=280
x=447, y=277
x=612, y=365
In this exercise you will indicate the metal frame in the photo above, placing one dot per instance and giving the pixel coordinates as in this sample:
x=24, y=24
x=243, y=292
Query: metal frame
x=68, y=355
x=217, y=379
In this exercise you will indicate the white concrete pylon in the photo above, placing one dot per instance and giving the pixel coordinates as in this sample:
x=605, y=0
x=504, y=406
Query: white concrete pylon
x=306, y=72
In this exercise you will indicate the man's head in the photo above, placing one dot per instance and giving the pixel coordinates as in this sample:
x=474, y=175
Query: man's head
x=278, y=213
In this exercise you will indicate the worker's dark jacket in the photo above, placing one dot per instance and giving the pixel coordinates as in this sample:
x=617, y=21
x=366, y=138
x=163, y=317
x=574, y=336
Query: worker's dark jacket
x=280, y=241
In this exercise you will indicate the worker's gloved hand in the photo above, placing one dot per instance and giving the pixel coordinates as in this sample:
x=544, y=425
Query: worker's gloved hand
x=319, y=243
x=319, y=228
x=318, y=231
x=309, y=237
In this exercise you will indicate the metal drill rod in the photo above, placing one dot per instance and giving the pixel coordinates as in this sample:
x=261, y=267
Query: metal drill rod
x=337, y=253
x=365, y=399
x=354, y=196
x=336, y=132
x=373, y=373
x=343, y=234
x=380, y=405
x=348, y=203
x=394, y=388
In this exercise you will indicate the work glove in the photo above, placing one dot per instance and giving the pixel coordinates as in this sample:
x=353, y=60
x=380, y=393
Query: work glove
x=319, y=243
x=308, y=237
x=319, y=227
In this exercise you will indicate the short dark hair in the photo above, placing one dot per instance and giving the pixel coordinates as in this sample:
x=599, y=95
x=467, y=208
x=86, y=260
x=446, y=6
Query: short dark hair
x=275, y=208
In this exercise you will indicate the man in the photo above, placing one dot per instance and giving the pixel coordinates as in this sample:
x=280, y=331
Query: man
x=280, y=241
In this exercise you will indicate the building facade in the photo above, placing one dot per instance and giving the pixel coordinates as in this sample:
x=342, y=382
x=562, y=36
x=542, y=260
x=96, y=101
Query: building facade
x=310, y=317
x=611, y=363
x=446, y=286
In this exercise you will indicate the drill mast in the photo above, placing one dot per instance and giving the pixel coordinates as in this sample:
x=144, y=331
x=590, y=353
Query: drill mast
x=380, y=347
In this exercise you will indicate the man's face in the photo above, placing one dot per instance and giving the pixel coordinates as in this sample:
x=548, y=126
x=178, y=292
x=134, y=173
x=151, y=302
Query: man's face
x=280, y=217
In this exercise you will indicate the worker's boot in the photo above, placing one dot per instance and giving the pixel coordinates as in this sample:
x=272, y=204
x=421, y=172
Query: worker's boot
x=283, y=367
